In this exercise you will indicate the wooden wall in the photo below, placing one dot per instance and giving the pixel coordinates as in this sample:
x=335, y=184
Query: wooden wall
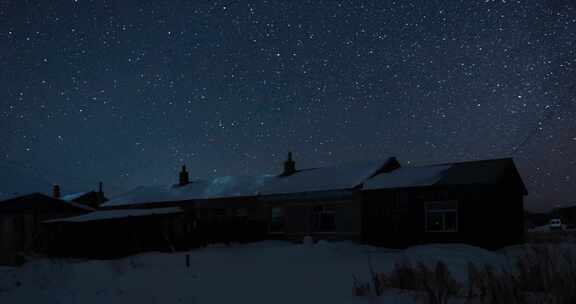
x=299, y=223
x=488, y=216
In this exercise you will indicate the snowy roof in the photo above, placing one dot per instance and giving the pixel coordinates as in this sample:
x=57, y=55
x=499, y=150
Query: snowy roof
x=343, y=176
x=143, y=194
x=226, y=186
x=40, y=200
x=73, y=196
x=407, y=177
x=485, y=172
x=117, y=214
x=79, y=205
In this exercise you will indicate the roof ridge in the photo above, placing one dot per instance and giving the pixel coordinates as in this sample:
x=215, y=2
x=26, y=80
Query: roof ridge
x=473, y=161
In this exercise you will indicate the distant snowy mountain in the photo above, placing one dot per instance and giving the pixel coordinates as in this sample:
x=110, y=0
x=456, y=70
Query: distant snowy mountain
x=16, y=179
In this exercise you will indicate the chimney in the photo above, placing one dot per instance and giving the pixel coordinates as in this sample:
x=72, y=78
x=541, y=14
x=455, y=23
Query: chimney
x=392, y=164
x=289, y=166
x=184, y=178
x=100, y=194
x=56, y=191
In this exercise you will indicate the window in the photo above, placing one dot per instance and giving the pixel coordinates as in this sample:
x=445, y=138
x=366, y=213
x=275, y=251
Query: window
x=277, y=220
x=441, y=216
x=220, y=212
x=323, y=219
x=190, y=225
x=241, y=212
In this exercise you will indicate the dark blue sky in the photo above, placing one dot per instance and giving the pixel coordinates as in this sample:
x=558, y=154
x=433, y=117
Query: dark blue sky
x=126, y=91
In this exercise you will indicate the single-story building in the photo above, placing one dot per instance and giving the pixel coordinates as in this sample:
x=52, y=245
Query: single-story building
x=21, y=219
x=566, y=213
x=475, y=202
x=113, y=233
x=376, y=202
x=220, y=210
x=324, y=203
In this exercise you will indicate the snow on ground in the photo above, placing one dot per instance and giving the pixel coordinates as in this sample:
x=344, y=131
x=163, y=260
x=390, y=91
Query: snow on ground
x=264, y=272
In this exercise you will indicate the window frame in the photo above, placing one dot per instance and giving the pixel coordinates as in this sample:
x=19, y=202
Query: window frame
x=319, y=218
x=282, y=218
x=240, y=212
x=443, y=211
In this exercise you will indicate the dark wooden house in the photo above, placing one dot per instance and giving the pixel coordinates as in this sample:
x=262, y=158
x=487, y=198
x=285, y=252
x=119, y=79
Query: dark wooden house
x=476, y=202
x=220, y=210
x=375, y=202
x=147, y=218
x=231, y=219
x=105, y=234
x=21, y=219
x=533, y=220
x=567, y=214
x=323, y=203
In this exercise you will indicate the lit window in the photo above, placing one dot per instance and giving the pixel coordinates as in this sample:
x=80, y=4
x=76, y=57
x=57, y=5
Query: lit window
x=442, y=216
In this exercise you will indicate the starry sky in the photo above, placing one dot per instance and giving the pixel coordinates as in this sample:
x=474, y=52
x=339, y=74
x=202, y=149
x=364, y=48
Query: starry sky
x=127, y=91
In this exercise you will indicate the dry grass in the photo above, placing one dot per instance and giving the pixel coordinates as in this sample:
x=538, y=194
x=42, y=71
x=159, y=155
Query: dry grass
x=488, y=286
x=360, y=288
x=549, y=237
x=435, y=283
x=542, y=274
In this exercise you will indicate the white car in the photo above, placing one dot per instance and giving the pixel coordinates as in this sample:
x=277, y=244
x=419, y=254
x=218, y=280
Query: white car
x=555, y=225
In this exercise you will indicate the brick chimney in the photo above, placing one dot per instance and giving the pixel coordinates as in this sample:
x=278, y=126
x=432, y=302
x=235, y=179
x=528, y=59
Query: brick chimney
x=184, y=177
x=56, y=191
x=100, y=193
x=289, y=166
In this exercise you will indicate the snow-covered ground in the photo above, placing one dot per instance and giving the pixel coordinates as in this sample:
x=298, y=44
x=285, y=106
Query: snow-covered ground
x=264, y=272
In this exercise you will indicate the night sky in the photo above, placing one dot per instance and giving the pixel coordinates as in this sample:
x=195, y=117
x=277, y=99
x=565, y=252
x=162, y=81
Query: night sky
x=127, y=91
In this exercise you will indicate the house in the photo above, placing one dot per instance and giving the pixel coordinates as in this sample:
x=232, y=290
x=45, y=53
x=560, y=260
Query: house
x=475, y=202
x=21, y=218
x=91, y=199
x=567, y=213
x=324, y=203
x=533, y=220
x=321, y=202
x=147, y=218
x=375, y=202
x=223, y=209
x=105, y=234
